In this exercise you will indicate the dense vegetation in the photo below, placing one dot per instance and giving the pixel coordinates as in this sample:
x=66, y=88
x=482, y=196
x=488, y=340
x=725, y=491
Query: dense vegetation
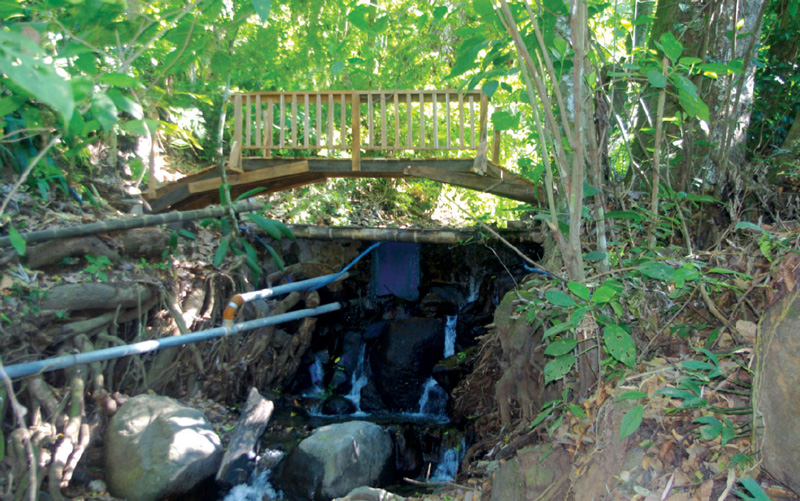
x=654, y=130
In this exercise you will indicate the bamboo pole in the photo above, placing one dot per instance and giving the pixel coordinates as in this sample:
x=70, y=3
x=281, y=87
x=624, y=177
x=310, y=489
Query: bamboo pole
x=433, y=236
x=132, y=222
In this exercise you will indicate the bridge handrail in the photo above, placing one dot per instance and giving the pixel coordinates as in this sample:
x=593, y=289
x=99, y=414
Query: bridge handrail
x=395, y=121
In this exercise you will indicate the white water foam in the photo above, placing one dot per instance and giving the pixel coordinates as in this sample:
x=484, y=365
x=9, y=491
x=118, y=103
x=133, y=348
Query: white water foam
x=257, y=490
x=358, y=380
x=433, y=402
x=474, y=289
x=450, y=336
x=448, y=467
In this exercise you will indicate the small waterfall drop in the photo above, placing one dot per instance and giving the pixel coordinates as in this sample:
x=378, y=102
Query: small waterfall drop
x=450, y=336
x=433, y=402
x=359, y=379
x=448, y=467
x=474, y=289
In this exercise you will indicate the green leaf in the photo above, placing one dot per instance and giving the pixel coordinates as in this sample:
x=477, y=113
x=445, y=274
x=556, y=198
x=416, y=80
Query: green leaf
x=631, y=395
x=17, y=241
x=749, y=226
x=559, y=298
x=249, y=193
x=558, y=367
x=503, y=120
x=337, y=68
x=276, y=257
x=619, y=344
x=589, y=190
x=19, y=60
x=10, y=104
x=603, y=294
x=671, y=46
x=490, y=87
x=265, y=224
x=119, y=80
x=754, y=489
x=126, y=104
x=657, y=79
x=577, y=410
x=579, y=290
x=542, y=416
x=560, y=347
x=625, y=214
x=104, y=110
x=222, y=251
x=631, y=421
x=262, y=8
x=483, y=7
x=595, y=256
x=675, y=393
x=284, y=229
x=657, y=270
x=557, y=329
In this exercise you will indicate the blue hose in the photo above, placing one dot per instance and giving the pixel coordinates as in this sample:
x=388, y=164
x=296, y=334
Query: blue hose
x=323, y=284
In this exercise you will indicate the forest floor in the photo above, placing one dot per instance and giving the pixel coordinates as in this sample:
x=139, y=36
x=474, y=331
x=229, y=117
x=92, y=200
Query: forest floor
x=684, y=405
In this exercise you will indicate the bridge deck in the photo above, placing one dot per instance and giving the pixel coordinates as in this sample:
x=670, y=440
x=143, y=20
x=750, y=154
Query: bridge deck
x=279, y=139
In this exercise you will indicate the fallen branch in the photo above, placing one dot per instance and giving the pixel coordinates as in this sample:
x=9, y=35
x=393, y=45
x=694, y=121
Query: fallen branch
x=132, y=222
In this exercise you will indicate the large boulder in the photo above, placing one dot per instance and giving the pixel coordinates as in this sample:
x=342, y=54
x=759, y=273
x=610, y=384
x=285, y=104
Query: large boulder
x=157, y=447
x=536, y=472
x=403, y=359
x=778, y=393
x=336, y=459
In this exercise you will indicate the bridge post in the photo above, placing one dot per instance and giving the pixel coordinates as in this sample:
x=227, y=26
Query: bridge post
x=356, y=130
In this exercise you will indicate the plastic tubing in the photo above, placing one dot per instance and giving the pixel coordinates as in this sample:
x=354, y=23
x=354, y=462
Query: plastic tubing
x=51, y=364
x=238, y=300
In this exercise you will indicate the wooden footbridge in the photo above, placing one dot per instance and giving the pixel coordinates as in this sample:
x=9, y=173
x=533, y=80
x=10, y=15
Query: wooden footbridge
x=284, y=140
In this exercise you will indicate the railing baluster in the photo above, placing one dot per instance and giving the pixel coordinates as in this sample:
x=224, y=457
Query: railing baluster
x=237, y=118
x=282, y=124
x=268, y=128
x=447, y=112
x=248, y=122
x=383, y=122
x=319, y=120
x=329, y=142
x=356, y=147
x=422, y=120
x=343, y=137
x=397, y=121
x=305, y=121
x=294, y=120
x=409, y=137
x=461, y=119
x=472, y=121
x=370, y=125
x=435, y=124
x=258, y=121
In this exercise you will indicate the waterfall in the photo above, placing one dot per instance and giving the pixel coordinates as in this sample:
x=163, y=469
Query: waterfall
x=433, y=402
x=448, y=467
x=358, y=380
x=257, y=489
x=450, y=336
x=474, y=289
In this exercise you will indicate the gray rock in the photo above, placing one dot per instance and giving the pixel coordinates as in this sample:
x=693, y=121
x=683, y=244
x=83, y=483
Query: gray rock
x=531, y=474
x=157, y=447
x=336, y=459
x=370, y=494
x=337, y=405
x=778, y=393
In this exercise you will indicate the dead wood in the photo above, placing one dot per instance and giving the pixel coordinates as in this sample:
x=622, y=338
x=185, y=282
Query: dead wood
x=252, y=422
x=42, y=255
x=97, y=296
x=129, y=223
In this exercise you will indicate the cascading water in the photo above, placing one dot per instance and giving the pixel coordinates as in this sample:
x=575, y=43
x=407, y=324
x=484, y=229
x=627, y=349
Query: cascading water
x=474, y=289
x=448, y=466
x=433, y=402
x=358, y=380
x=450, y=336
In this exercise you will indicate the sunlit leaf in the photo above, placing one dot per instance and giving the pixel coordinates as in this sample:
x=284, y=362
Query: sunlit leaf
x=558, y=367
x=17, y=241
x=631, y=421
x=262, y=8
x=559, y=298
x=560, y=347
x=579, y=290
x=620, y=345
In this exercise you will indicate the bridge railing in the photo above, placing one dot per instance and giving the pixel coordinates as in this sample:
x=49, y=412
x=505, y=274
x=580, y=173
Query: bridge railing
x=396, y=123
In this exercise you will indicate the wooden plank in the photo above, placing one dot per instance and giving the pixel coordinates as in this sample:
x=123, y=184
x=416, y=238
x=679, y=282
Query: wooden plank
x=479, y=167
x=356, y=150
x=422, y=121
x=384, y=132
x=461, y=120
x=472, y=122
x=435, y=124
x=370, y=130
x=319, y=120
x=329, y=142
x=237, y=119
x=343, y=136
x=235, y=158
x=258, y=122
x=447, y=112
x=396, y=121
x=306, y=112
x=282, y=124
x=248, y=123
x=522, y=191
x=268, y=126
x=294, y=120
x=410, y=137
x=250, y=177
x=496, y=147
